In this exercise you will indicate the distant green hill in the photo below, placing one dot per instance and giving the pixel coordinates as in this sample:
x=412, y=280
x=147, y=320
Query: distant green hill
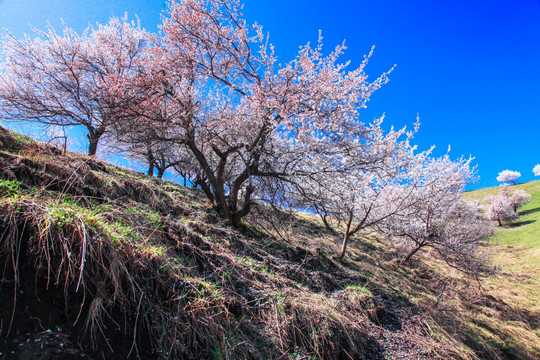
x=526, y=230
x=99, y=262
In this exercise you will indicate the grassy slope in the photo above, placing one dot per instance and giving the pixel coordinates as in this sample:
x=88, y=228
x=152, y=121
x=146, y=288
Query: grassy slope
x=517, y=246
x=516, y=249
x=209, y=291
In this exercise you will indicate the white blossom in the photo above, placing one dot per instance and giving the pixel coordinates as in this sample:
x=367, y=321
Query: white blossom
x=499, y=208
x=508, y=176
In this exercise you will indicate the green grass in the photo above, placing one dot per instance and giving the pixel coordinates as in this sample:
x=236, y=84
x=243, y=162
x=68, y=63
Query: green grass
x=516, y=249
x=9, y=187
x=526, y=229
x=518, y=244
x=21, y=138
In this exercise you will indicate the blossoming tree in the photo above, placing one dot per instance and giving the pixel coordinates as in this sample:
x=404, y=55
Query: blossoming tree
x=514, y=199
x=366, y=187
x=499, y=208
x=436, y=216
x=244, y=119
x=66, y=79
x=508, y=176
x=517, y=198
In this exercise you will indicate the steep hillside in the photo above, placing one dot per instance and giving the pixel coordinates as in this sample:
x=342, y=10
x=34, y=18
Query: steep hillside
x=104, y=263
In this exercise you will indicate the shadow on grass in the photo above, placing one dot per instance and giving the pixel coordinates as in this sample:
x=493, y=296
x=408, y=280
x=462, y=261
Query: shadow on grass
x=529, y=211
x=506, y=313
x=520, y=223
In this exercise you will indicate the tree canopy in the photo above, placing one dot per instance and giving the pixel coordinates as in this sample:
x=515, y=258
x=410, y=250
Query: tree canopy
x=207, y=97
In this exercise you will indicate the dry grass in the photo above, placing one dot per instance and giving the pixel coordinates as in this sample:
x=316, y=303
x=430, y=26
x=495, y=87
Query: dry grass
x=144, y=264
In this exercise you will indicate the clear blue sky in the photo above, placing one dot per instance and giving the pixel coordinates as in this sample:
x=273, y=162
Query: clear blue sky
x=470, y=68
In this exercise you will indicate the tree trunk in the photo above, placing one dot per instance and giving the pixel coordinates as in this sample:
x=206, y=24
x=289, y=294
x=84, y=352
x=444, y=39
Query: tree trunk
x=93, y=138
x=150, y=159
x=92, y=147
x=326, y=223
x=150, y=171
x=500, y=223
x=160, y=173
x=204, y=186
x=344, y=246
x=237, y=215
x=346, y=237
x=410, y=254
x=214, y=191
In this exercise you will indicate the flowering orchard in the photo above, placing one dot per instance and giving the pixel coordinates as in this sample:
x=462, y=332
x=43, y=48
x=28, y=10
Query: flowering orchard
x=207, y=98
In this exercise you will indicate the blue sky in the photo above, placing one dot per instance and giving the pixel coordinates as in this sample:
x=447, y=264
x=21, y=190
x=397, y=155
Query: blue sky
x=469, y=68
